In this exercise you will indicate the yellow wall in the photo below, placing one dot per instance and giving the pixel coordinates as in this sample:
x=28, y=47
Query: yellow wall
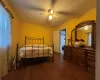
x=37, y=31
x=70, y=25
x=15, y=27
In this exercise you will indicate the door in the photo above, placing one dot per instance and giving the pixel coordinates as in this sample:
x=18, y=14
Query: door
x=56, y=38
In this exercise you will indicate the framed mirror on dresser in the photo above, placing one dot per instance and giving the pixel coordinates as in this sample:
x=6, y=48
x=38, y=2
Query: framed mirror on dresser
x=86, y=31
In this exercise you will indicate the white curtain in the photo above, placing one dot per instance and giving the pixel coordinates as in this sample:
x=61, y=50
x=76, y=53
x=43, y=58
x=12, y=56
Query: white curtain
x=5, y=40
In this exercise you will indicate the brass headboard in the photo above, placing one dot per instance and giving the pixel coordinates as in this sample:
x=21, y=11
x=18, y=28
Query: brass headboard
x=34, y=40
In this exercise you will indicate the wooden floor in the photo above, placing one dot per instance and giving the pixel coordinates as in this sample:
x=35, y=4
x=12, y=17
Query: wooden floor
x=59, y=70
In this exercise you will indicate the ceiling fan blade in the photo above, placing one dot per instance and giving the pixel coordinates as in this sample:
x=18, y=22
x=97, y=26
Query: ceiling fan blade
x=56, y=16
x=65, y=13
x=33, y=7
x=53, y=2
x=46, y=14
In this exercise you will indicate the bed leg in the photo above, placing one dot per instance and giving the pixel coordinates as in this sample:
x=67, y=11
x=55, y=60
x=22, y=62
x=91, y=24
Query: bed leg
x=52, y=58
x=16, y=65
x=16, y=55
x=53, y=53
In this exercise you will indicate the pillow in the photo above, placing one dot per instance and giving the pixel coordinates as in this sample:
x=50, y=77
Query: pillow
x=40, y=45
x=36, y=45
x=29, y=45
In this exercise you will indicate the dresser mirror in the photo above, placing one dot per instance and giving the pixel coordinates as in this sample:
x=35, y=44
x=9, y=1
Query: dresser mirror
x=84, y=31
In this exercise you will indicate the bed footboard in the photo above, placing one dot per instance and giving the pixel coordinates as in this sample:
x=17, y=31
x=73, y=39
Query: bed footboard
x=48, y=54
x=16, y=55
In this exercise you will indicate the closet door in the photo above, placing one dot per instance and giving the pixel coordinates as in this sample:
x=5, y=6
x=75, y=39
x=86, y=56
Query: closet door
x=56, y=41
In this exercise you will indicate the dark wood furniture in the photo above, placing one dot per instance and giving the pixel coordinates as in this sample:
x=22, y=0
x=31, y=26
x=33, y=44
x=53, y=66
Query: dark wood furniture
x=67, y=52
x=84, y=57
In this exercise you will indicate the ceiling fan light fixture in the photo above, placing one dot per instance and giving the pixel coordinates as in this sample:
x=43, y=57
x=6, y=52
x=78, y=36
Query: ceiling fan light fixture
x=50, y=17
x=51, y=11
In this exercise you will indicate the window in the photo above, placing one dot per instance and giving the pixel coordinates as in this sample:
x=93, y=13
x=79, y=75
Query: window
x=5, y=28
x=5, y=41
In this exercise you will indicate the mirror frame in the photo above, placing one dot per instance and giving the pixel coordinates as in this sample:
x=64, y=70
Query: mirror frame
x=73, y=35
x=84, y=23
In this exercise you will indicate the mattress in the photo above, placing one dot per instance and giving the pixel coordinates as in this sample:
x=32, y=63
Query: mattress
x=35, y=51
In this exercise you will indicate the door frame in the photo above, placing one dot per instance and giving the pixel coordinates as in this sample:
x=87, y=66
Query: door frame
x=64, y=29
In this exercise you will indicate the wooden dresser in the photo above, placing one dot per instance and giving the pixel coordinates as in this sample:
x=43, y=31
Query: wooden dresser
x=84, y=57
x=90, y=60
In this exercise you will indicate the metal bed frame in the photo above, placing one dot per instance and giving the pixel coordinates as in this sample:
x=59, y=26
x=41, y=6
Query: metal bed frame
x=33, y=40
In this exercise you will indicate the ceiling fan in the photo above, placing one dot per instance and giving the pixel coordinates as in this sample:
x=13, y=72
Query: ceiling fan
x=51, y=12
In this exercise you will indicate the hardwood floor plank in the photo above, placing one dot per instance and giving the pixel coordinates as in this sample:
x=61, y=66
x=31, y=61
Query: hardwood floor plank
x=38, y=73
x=52, y=72
x=16, y=74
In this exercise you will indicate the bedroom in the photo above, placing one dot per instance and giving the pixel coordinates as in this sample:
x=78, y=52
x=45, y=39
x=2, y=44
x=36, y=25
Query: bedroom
x=32, y=19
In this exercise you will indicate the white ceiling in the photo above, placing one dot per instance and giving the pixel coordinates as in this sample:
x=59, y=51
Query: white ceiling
x=26, y=13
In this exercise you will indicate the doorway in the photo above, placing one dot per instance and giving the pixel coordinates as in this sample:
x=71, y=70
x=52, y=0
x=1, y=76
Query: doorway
x=62, y=39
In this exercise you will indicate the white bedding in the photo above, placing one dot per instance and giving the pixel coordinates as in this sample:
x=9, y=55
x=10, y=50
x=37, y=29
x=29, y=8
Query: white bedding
x=35, y=51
